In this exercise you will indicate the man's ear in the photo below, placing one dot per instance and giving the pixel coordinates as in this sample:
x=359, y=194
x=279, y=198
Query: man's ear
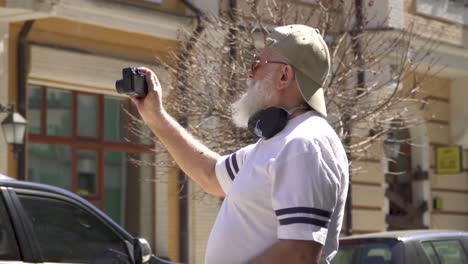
x=287, y=76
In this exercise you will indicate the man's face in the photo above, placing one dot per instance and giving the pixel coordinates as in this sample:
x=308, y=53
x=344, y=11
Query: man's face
x=257, y=97
x=262, y=77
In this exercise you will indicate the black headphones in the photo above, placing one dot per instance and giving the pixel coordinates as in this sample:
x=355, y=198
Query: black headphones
x=270, y=121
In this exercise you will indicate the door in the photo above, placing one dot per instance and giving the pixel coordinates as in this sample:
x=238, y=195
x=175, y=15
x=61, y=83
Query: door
x=9, y=247
x=65, y=231
x=402, y=214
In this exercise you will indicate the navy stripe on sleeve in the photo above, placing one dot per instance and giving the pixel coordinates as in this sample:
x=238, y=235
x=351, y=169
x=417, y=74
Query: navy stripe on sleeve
x=303, y=210
x=228, y=168
x=234, y=163
x=303, y=220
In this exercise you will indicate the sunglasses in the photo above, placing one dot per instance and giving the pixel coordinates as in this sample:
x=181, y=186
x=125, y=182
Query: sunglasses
x=257, y=63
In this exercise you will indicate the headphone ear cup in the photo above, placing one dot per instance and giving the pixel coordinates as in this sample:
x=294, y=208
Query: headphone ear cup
x=268, y=122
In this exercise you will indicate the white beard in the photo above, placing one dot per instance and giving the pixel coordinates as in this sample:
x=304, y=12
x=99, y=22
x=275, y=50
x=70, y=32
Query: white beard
x=257, y=96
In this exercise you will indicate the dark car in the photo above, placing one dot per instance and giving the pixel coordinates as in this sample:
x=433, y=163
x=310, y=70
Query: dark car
x=404, y=247
x=41, y=223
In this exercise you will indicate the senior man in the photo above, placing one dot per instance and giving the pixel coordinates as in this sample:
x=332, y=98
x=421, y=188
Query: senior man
x=285, y=194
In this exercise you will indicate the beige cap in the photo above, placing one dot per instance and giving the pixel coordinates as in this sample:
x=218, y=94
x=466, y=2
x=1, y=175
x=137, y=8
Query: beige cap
x=307, y=52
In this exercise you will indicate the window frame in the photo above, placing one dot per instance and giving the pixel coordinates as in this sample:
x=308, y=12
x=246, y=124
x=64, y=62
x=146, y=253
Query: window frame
x=77, y=143
x=28, y=236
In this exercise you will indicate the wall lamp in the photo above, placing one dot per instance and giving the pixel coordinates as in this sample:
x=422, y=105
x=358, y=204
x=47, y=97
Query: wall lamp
x=14, y=128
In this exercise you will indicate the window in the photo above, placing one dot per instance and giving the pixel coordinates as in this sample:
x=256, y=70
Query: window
x=8, y=244
x=35, y=110
x=58, y=171
x=430, y=252
x=346, y=254
x=86, y=142
x=372, y=251
x=114, y=119
x=445, y=252
x=59, y=110
x=68, y=233
x=114, y=184
x=87, y=172
x=87, y=118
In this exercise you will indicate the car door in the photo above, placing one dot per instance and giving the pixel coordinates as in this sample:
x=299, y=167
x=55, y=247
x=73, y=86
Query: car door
x=62, y=230
x=9, y=247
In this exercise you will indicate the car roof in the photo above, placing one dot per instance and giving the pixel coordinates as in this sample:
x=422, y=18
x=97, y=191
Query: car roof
x=11, y=182
x=4, y=177
x=405, y=235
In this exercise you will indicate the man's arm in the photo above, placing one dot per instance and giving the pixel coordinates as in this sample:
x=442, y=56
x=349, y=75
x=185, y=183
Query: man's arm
x=290, y=251
x=195, y=159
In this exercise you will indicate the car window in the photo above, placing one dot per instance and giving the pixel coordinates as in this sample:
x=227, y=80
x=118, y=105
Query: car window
x=68, y=233
x=363, y=252
x=430, y=252
x=449, y=251
x=8, y=244
x=345, y=254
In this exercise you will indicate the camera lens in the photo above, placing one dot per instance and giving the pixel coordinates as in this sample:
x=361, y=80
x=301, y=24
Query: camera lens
x=119, y=86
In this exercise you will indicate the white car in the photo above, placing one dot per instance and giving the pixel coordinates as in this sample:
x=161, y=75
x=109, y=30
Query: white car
x=404, y=247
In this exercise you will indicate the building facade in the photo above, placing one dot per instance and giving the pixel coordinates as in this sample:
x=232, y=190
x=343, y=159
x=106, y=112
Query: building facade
x=430, y=196
x=432, y=163
x=59, y=60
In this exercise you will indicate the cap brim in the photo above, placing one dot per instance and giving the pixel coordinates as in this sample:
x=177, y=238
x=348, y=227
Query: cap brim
x=312, y=92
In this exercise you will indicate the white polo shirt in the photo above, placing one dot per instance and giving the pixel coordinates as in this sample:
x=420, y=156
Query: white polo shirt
x=291, y=186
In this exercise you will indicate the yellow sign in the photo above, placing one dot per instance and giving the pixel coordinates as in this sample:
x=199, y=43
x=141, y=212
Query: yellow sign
x=449, y=159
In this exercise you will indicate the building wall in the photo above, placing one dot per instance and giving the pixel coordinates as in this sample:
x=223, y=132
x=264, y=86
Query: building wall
x=369, y=202
x=447, y=22
x=368, y=185
x=3, y=91
x=100, y=40
x=162, y=208
x=173, y=6
x=91, y=41
x=451, y=188
x=12, y=65
x=203, y=211
x=368, y=189
x=62, y=33
x=422, y=16
x=458, y=125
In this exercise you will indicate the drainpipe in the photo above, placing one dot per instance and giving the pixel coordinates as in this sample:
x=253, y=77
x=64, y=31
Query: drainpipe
x=183, y=85
x=21, y=100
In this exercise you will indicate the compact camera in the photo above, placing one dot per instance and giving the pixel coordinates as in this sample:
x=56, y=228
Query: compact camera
x=133, y=83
